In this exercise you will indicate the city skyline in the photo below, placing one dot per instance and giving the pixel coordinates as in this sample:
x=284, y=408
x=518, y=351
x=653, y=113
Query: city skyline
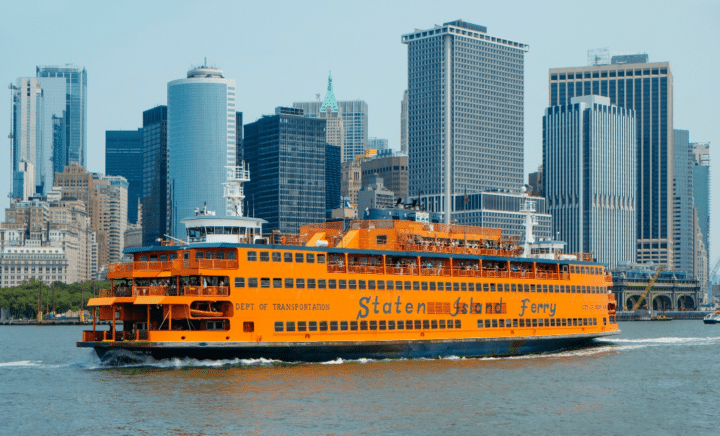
x=371, y=67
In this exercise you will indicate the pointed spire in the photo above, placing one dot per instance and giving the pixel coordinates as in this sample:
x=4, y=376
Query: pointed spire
x=329, y=98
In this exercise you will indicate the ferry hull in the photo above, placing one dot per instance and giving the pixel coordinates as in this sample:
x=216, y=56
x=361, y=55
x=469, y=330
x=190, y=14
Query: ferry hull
x=323, y=352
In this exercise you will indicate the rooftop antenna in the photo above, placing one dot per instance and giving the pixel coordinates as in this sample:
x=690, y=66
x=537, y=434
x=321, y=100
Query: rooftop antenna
x=205, y=65
x=317, y=97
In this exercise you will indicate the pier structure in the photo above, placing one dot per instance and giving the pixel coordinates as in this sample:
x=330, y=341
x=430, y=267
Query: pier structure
x=671, y=291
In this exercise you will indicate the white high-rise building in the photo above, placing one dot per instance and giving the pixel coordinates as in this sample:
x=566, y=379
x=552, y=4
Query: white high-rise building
x=27, y=133
x=201, y=137
x=589, y=153
x=465, y=111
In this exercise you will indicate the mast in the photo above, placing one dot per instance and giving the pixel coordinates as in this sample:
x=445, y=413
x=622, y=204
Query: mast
x=528, y=207
x=233, y=188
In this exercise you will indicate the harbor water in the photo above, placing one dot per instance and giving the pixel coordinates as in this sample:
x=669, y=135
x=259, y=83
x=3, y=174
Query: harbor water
x=654, y=378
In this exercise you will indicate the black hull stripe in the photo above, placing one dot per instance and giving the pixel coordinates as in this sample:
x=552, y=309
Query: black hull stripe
x=326, y=351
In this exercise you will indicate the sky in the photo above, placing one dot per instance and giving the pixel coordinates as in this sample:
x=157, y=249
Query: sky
x=280, y=52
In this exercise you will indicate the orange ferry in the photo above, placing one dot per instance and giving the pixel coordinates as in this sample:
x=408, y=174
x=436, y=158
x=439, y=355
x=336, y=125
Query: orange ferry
x=381, y=289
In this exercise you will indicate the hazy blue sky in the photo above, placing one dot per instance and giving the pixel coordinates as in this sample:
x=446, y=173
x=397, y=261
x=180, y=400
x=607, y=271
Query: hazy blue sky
x=281, y=51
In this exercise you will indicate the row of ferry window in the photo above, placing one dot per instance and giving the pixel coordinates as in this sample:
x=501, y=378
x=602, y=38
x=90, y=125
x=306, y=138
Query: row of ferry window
x=290, y=283
x=276, y=256
x=581, y=269
x=538, y=322
x=425, y=324
x=323, y=326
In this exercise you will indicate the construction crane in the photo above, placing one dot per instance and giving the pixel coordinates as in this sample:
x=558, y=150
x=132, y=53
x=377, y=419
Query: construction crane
x=647, y=289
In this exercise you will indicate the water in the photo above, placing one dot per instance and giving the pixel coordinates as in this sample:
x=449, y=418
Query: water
x=655, y=378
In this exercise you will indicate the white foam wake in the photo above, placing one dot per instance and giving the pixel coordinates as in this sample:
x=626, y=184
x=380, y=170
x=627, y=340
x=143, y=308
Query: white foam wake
x=664, y=341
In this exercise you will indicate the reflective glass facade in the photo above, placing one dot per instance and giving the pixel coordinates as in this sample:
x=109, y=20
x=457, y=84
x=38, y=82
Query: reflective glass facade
x=201, y=143
x=75, y=102
x=155, y=176
x=465, y=104
x=286, y=155
x=332, y=178
x=354, y=124
x=683, y=204
x=645, y=88
x=27, y=132
x=124, y=157
x=589, y=176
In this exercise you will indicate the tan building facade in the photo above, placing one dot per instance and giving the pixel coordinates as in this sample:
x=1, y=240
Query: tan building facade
x=351, y=180
x=392, y=168
x=46, y=241
x=105, y=199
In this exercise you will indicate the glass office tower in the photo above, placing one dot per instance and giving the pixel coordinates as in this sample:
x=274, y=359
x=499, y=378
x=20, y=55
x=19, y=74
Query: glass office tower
x=156, y=198
x=631, y=82
x=589, y=175
x=286, y=153
x=73, y=98
x=27, y=138
x=124, y=157
x=201, y=143
x=465, y=110
x=332, y=178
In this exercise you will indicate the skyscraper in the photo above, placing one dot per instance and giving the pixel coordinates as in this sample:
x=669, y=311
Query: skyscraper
x=700, y=159
x=404, y=123
x=701, y=186
x=632, y=82
x=465, y=110
x=124, y=157
x=65, y=88
x=156, y=200
x=201, y=143
x=589, y=174
x=683, y=204
x=287, y=154
x=347, y=121
x=332, y=178
x=27, y=136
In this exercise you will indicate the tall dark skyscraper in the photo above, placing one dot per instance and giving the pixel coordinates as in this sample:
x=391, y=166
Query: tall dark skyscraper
x=632, y=82
x=124, y=157
x=333, y=176
x=155, y=176
x=286, y=156
x=465, y=110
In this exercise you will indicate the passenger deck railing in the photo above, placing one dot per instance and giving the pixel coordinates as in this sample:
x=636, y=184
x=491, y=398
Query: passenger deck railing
x=459, y=249
x=365, y=269
x=435, y=271
x=150, y=290
x=520, y=274
x=209, y=263
x=175, y=264
x=207, y=290
x=445, y=271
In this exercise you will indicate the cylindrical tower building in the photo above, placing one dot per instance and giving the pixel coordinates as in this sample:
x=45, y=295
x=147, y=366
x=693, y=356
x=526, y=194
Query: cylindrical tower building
x=201, y=143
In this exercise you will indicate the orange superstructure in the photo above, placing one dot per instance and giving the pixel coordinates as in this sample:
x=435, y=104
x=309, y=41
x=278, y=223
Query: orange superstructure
x=378, y=289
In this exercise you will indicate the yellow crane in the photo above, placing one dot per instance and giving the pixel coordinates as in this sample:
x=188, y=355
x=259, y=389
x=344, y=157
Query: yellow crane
x=647, y=290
